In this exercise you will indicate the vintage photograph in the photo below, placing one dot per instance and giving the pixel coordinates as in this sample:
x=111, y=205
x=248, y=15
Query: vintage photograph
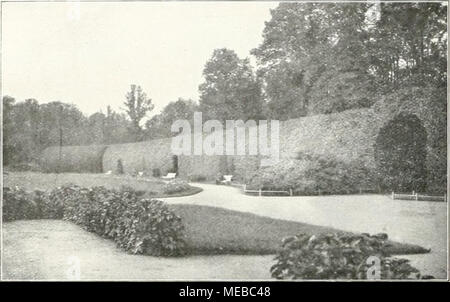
x=224, y=141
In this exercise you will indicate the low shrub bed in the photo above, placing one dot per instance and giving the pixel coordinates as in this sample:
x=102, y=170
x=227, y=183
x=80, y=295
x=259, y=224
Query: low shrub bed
x=340, y=256
x=138, y=225
x=176, y=186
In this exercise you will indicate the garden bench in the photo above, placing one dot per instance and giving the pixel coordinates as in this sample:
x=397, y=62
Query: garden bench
x=169, y=176
x=227, y=179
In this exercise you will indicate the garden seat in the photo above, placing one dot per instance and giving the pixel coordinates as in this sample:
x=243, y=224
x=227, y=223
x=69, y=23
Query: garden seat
x=227, y=179
x=169, y=176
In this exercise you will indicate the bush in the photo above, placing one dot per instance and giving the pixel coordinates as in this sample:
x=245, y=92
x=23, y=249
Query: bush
x=338, y=256
x=119, y=169
x=310, y=175
x=156, y=172
x=176, y=186
x=18, y=204
x=138, y=225
x=198, y=178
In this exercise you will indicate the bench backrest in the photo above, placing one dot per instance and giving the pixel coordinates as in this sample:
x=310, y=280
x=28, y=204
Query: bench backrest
x=227, y=177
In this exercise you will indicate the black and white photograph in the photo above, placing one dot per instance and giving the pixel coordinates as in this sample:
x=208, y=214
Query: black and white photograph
x=224, y=141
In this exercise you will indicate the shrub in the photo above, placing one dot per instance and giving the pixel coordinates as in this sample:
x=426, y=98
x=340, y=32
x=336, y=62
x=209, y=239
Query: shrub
x=138, y=225
x=338, y=256
x=18, y=204
x=309, y=175
x=175, y=186
x=156, y=172
x=119, y=169
x=197, y=177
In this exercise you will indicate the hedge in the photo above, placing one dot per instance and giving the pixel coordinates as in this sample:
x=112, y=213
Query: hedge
x=79, y=159
x=339, y=256
x=138, y=225
x=140, y=157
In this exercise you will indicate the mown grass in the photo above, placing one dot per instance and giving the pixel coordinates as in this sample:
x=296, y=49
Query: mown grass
x=211, y=230
x=29, y=181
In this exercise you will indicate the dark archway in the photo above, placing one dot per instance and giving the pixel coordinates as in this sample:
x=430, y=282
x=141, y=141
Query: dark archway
x=400, y=154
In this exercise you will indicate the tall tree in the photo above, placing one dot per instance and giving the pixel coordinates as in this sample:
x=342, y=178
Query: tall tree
x=230, y=89
x=313, y=59
x=160, y=125
x=137, y=107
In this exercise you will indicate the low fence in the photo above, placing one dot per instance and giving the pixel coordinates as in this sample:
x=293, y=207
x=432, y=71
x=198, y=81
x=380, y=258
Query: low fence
x=260, y=192
x=417, y=196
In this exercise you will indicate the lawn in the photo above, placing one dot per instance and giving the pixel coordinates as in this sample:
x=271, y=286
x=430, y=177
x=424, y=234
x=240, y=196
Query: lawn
x=30, y=181
x=212, y=230
x=209, y=230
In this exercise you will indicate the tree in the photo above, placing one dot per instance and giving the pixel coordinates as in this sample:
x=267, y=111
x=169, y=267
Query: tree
x=230, y=89
x=137, y=107
x=160, y=125
x=409, y=45
x=313, y=59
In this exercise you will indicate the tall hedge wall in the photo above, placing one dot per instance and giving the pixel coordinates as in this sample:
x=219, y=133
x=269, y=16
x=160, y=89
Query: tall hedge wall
x=73, y=159
x=141, y=156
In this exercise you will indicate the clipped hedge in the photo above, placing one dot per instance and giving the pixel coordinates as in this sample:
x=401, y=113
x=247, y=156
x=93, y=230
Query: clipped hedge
x=138, y=225
x=340, y=256
x=80, y=159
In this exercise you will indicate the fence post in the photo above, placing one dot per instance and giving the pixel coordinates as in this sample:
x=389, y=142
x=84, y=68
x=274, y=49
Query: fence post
x=416, y=197
x=260, y=192
x=290, y=191
x=393, y=195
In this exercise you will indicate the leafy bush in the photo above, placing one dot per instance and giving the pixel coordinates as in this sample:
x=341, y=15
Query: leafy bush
x=197, y=177
x=119, y=166
x=156, y=172
x=338, y=256
x=138, y=225
x=400, y=154
x=18, y=204
x=309, y=175
x=175, y=186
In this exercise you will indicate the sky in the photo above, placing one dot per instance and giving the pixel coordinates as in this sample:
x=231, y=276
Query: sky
x=89, y=54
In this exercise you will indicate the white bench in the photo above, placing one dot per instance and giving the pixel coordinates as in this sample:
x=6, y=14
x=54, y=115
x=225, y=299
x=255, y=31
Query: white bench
x=227, y=179
x=169, y=176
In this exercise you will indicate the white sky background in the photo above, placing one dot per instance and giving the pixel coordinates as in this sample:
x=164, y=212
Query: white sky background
x=50, y=55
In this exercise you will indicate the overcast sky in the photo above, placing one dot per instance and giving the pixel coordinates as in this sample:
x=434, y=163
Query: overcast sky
x=52, y=51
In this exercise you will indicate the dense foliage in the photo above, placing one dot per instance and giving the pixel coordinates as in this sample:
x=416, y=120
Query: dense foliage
x=339, y=256
x=136, y=224
x=330, y=57
x=400, y=154
x=313, y=174
x=175, y=186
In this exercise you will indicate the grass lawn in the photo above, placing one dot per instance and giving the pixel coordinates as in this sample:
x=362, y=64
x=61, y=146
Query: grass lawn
x=212, y=230
x=209, y=230
x=30, y=181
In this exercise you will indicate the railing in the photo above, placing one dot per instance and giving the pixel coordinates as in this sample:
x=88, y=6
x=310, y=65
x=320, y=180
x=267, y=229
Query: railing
x=260, y=191
x=417, y=196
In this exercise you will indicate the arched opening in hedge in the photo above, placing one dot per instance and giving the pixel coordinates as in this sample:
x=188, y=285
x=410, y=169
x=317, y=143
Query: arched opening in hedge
x=400, y=154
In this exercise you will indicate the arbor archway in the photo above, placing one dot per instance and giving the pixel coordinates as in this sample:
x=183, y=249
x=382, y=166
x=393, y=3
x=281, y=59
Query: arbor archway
x=400, y=154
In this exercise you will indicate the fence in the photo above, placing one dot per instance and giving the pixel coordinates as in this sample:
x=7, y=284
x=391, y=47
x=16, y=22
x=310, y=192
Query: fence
x=417, y=196
x=260, y=191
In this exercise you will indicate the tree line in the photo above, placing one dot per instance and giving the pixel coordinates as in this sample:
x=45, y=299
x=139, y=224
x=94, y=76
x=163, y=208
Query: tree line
x=315, y=58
